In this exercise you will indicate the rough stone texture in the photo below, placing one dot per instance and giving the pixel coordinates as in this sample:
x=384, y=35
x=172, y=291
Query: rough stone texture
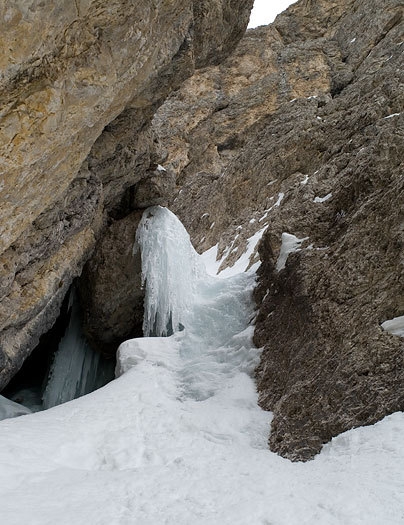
x=157, y=188
x=40, y=268
x=69, y=71
x=218, y=25
x=202, y=128
x=308, y=107
x=108, y=323
x=84, y=63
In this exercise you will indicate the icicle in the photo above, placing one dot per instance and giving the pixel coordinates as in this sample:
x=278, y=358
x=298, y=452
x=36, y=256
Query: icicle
x=170, y=271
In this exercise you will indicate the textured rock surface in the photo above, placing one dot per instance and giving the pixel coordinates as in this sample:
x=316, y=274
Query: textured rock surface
x=39, y=269
x=301, y=131
x=70, y=70
x=109, y=322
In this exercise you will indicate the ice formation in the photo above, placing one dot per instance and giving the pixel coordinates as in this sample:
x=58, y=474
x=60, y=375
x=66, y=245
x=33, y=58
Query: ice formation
x=9, y=409
x=77, y=369
x=170, y=270
x=211, y=313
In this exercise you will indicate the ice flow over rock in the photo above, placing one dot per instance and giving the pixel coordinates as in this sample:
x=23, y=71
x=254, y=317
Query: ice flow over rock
x=209, y=316
x=171, y=269
x=77, y=369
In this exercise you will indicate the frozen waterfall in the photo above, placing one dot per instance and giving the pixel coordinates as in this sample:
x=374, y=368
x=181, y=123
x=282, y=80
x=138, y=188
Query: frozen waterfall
x=179, y=437
x=171, y=269
x=209, y=316
x=76, y=369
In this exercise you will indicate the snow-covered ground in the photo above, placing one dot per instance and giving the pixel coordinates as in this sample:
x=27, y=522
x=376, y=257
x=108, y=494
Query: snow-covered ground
x=178, y=438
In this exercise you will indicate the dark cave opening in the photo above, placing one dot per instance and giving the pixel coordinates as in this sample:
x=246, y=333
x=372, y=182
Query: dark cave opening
x=44, y=368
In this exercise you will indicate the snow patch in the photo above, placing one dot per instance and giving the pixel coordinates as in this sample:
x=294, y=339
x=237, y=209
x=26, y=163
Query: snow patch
x=277, y=204
x=322, y=199
x=280, y=199
x=394, y=326
x=243, y=261
x=290, y=244
x=209, y=258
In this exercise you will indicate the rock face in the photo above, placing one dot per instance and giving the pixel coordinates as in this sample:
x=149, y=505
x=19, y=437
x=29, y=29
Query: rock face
x=301, y=131
x=69, y=71
x=39, y=268
x=113, y=272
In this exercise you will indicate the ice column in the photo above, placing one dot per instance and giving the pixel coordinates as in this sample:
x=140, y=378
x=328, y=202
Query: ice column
x=77, y=369
x=170, y=271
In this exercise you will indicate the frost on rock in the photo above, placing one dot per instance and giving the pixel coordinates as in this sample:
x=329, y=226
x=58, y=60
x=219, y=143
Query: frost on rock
x=170, y=271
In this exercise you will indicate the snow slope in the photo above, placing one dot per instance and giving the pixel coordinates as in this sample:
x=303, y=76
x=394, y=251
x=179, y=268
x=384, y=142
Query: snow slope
x=178, y=439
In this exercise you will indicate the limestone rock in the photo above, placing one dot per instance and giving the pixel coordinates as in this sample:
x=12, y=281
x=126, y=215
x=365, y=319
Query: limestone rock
x=40, y=268
x=79, y=83
x=110, y=288
x=157, y=188
x=203, y=127
x=301, y=131
x=83, y=64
